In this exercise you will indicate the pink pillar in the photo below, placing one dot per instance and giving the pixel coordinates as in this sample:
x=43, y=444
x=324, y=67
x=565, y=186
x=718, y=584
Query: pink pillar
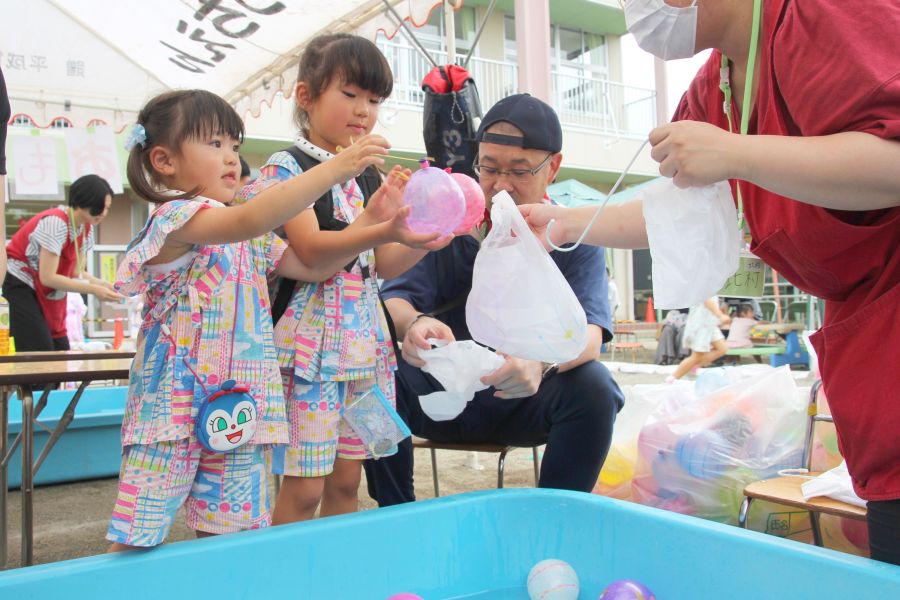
x=533, y=47
x=662, y=91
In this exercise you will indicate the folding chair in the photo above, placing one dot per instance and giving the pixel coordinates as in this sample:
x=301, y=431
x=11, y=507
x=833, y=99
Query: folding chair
x=418, y=442
x=786, y=490
x=631, y=346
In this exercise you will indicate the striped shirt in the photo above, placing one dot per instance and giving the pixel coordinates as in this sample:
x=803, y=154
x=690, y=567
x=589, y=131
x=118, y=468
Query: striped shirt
x=50, y=234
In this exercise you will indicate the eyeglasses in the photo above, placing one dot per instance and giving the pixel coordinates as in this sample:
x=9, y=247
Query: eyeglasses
x=520, y=175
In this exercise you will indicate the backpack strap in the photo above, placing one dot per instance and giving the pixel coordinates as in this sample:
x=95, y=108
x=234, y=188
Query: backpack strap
x=368, y=183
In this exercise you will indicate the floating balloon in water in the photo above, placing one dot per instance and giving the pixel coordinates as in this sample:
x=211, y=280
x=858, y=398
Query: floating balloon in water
x=627, y=589
x=553, y=579
x=474, y=197
x=436, y=202
x=405, y=596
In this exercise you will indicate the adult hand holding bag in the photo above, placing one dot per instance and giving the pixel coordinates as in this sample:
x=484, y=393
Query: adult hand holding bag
x=520, y=303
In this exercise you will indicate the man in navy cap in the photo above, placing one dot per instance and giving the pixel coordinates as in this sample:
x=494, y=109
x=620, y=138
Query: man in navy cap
x=571, y=407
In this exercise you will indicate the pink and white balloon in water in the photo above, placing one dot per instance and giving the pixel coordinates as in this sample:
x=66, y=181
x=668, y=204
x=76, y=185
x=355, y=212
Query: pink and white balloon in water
x=442, y=202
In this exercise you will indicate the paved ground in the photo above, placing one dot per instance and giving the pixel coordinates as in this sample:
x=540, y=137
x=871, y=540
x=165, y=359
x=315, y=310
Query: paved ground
x=71, y=519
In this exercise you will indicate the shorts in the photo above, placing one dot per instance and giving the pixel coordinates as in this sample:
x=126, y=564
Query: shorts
x=222, y=493
x=318, y=432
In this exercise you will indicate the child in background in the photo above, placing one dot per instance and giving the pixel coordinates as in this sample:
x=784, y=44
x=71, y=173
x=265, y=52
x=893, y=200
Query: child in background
x=741, y=324
x=703, y=336
x=333, y=340
x=206, y=316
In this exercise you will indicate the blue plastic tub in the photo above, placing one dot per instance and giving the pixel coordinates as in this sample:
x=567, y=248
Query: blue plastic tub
x=477, y=545
x=90, y=447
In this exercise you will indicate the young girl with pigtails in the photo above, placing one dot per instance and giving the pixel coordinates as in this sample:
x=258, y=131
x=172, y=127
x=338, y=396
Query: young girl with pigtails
x=205, y=399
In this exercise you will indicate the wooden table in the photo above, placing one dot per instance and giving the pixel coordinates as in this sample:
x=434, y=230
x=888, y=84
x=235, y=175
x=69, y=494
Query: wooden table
x=23, y=375
x=782, y=328
x=21, y=357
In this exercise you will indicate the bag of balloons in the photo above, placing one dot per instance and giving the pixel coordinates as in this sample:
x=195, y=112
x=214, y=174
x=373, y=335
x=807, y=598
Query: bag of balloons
x=618, y=468
x=696, y=454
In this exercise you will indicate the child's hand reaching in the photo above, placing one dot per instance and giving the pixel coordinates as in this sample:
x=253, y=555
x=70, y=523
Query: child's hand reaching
x=399, y=231
x=353, y=160
x=388, y=199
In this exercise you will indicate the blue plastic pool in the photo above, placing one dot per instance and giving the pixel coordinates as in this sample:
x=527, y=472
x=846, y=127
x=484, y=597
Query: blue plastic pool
x=477, y=545
x=89, y=448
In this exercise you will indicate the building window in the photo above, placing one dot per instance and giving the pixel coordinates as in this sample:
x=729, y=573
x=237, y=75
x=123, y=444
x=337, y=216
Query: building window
x=509, y=39
x=433, y=34
x=60, y=123
x=96, y=123
x=572, y=51
x=21, y=120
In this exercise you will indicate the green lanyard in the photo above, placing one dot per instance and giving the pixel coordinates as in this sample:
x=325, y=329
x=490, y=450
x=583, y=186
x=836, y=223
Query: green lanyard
x=79, y=259
x=725, y=86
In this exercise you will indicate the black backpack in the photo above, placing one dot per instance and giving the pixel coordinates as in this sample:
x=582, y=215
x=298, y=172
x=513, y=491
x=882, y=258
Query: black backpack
x=368, y=182
x=448, y=122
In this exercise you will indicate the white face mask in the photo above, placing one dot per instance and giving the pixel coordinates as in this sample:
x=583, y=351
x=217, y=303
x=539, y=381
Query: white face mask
x=665, y=31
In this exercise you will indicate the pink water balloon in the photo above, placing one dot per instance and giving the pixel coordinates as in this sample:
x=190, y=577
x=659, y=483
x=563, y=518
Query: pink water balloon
x=405, y=596
x=436, y=201
x=474, y=196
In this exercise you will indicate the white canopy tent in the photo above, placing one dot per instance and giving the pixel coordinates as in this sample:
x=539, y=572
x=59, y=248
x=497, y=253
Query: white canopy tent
x=94, y=59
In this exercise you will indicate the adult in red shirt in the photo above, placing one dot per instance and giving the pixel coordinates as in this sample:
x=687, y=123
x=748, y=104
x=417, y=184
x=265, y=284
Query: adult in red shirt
x=47, y=260
x=820, y=186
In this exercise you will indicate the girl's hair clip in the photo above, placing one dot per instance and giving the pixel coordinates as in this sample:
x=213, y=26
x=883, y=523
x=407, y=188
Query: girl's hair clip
x=137, y=137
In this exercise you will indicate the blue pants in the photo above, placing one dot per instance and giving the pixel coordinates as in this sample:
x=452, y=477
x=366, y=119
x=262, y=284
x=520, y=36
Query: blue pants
x=572, y=412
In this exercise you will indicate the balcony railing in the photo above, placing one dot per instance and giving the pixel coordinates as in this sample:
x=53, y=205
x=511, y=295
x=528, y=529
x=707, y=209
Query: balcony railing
x=583, y=102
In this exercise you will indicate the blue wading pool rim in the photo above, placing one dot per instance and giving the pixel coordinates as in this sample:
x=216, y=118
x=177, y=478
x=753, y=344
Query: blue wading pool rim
x=472, y=543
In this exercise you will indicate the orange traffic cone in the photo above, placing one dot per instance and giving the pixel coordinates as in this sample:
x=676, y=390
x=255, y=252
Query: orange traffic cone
x=650, y=316
x=118, y=334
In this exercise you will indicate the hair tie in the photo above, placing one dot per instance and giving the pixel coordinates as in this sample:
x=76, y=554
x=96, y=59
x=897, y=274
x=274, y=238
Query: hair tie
x=137, y=137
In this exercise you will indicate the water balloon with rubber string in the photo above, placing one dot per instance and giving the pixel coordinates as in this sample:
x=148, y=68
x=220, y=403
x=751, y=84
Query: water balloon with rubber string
x=436, y=202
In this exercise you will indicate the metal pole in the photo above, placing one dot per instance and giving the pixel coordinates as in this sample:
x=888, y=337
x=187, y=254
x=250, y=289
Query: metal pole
x=64, y=421
x=4, y=470
x=409, y=34
x=27, y=474
x=450, y=31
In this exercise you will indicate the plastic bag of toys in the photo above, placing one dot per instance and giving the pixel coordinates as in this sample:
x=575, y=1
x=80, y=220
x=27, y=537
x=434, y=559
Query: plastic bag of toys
x=696, y=453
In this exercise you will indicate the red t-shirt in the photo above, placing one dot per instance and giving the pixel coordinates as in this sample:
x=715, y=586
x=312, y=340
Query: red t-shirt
x=825, y=68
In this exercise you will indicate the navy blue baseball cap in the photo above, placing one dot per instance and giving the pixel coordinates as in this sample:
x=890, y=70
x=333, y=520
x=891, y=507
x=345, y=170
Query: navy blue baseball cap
x=537, y=120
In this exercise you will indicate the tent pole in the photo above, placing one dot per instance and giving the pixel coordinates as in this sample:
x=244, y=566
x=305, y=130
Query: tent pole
x=450, y=31
x=487, y=15
x=409, y=34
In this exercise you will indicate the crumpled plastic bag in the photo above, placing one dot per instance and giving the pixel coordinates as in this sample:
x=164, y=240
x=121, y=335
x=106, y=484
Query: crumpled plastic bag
x=694, y=241
x=520, y=303
x=459, y=367
x=835, y=484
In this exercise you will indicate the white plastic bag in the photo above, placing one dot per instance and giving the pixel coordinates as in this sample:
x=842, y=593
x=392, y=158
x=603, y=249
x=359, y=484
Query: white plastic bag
x=459, y=367
x=694, y=241
x=520, y=303
x=833, y=484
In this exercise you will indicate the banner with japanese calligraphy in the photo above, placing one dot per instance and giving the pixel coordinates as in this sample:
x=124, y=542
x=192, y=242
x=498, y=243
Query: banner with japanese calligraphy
x=93, y=150
x=113, y=56
x=35, y=168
